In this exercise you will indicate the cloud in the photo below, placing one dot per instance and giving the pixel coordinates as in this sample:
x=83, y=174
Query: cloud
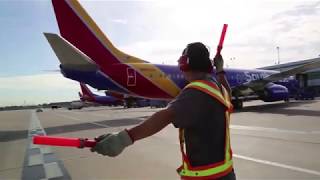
x=37, y=89
x=161, y=29
x=294, y=31
x=156, y=51
x=301, y=10
x=296, y=17
x=120, y=21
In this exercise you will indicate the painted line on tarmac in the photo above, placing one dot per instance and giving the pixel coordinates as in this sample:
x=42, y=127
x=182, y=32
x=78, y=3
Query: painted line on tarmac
x=294, y=168
x=77, y=119
x=90, y=114
x=271, y=163
x=95, y=114
x=256, y=128
x=40, y=162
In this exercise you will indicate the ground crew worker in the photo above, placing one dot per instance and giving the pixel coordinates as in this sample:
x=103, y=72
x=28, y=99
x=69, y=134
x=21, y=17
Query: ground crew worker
x=200, y=111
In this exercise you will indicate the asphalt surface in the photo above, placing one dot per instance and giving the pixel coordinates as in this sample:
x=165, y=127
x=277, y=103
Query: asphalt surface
x=269, y=141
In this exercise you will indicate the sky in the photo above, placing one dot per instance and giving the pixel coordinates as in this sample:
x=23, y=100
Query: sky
x=156, y=31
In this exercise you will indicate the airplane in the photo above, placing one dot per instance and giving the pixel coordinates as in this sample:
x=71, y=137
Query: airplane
x=113, y=98
x=88, y=96
x=75, y=105
x=87, y=55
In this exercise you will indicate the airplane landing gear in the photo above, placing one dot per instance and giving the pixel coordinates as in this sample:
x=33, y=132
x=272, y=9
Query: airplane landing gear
x=237, y=104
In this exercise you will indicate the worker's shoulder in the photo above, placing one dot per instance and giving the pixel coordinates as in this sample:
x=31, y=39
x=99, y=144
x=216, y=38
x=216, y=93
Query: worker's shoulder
x=193, y=93
x=202, y=97
x=187, y=96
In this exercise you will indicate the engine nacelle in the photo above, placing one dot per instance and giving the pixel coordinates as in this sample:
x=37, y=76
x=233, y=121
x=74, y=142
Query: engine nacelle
x=274, y=92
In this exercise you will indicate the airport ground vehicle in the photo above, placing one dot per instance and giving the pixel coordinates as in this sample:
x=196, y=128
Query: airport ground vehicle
x=75, y=105
x=39, y=110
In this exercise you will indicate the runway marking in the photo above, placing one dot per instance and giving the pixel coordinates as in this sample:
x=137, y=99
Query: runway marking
x=77, y=119
x=52, y=170
x=256, y=128
x=40, y=162
x=271, y=163
x=35, y=159
x=294, y=168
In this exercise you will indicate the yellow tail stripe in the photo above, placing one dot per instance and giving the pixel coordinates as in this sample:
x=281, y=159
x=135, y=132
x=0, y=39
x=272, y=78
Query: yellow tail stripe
x=100, y=35
x=158, y=77
x=165, y=84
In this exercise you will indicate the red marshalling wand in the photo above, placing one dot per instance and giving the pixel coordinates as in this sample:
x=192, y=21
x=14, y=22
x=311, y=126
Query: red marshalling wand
x=223, y=34
x=63, y=141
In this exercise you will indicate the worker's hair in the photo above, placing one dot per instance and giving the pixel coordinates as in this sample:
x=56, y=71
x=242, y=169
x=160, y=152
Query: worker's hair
x=199, y=57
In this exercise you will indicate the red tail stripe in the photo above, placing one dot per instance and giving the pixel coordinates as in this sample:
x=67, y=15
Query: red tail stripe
x=73, y=29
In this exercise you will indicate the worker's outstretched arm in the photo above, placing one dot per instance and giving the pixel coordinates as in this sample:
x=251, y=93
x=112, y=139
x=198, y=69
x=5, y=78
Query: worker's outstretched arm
x=152, y=125
x=113, y=144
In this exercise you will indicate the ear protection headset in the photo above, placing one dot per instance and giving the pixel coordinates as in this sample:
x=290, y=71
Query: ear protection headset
x=202, y=63
x=183, y=61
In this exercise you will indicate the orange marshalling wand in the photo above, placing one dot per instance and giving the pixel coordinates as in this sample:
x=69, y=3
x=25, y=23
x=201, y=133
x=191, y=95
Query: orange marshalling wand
x=63, y=141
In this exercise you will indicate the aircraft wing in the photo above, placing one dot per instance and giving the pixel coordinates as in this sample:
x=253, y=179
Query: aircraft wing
x=260, y=83
x=294, y=71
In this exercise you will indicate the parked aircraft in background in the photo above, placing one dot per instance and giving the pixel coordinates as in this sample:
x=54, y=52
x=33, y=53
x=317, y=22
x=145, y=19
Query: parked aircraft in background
x=88, y=96
x=75, y=105
x=87, y=55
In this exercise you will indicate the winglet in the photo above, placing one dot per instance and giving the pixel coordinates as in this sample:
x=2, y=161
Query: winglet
x=68, y=55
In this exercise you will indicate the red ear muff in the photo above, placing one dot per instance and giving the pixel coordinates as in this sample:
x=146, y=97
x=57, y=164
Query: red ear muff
x=184, y=63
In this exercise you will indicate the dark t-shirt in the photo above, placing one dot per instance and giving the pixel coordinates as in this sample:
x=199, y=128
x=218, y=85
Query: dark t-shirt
x=203, y=119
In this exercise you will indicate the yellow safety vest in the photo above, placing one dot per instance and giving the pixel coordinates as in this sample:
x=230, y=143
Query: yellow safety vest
x=218, y=169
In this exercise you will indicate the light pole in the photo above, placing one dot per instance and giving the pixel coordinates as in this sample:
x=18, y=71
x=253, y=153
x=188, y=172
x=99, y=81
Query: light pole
x=232, y=60
x=278, y=50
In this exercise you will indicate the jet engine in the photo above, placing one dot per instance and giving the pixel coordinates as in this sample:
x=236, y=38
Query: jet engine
x=274, y=92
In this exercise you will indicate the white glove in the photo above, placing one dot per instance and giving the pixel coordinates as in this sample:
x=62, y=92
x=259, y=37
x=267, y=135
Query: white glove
x=112, y=144
x=218, y=63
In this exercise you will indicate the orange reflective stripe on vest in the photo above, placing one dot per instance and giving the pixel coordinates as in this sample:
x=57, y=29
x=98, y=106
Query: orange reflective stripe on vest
x=217, y=169
x=213, y=90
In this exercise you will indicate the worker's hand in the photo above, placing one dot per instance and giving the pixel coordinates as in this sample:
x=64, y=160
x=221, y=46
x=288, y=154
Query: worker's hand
x=112, y=144
x=218, y=63
x=99, y=138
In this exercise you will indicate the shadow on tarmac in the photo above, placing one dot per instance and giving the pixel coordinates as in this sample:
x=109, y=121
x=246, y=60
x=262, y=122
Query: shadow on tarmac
x=6, y=136
x=282, y=108
x=279, y=108
x=101, y=109
x=88, y=126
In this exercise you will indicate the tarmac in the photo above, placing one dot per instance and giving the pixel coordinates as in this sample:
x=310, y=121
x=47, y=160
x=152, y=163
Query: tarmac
x=269, y=141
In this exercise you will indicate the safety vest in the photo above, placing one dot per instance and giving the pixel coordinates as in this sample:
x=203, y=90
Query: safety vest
x=218, y=169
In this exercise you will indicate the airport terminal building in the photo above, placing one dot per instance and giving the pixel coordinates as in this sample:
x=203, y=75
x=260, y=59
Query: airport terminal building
x=309, y=79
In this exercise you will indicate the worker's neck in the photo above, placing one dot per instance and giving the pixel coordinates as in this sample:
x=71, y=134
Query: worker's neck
x=198, y=76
